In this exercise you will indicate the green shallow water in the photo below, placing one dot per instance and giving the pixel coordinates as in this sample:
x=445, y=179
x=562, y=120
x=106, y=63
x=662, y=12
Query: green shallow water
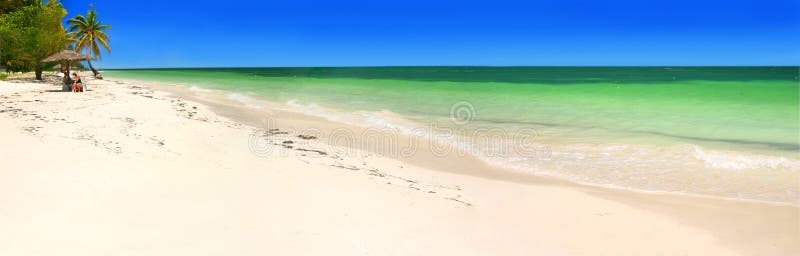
x=753, y=106
x=746, y=111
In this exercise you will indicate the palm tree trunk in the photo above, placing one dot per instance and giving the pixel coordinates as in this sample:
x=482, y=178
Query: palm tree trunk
x=94, y=71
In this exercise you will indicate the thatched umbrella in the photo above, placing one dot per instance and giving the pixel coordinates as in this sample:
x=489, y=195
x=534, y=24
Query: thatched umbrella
x=66, y=56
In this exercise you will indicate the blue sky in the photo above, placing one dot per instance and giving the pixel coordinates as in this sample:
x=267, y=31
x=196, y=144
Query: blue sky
x=248, y=33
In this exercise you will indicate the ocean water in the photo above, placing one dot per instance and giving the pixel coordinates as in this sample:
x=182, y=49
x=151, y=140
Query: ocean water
x=722, y=131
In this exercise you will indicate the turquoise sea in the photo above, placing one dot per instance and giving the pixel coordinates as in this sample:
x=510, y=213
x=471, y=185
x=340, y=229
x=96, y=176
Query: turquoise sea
x=720, y=131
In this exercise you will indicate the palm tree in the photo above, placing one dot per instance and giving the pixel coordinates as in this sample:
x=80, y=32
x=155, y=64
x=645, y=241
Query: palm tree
x=88, y=34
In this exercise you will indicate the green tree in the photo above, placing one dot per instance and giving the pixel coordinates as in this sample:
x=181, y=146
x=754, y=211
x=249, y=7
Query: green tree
x=89, y=35
x=8, y=6
x=31, y=33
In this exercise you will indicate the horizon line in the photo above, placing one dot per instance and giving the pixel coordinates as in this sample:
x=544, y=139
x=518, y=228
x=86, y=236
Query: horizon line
x=431, y=66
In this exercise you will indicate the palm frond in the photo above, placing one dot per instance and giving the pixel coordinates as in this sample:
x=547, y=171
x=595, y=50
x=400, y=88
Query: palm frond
x=87, y=32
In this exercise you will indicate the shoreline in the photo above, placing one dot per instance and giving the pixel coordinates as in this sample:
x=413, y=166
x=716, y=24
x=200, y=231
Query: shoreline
x=253, y=115
x=661, y=202
x=461, y=191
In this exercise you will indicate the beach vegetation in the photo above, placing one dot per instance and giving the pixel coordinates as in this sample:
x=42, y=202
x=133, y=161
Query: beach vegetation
x=30, y=33
x=89, y=35
x=8, y=6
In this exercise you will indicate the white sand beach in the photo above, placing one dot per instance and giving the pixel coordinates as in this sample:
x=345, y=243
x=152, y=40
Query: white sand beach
x=128, y=168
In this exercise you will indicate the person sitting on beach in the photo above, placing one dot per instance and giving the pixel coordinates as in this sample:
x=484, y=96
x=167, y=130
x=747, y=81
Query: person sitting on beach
x=77, y=84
